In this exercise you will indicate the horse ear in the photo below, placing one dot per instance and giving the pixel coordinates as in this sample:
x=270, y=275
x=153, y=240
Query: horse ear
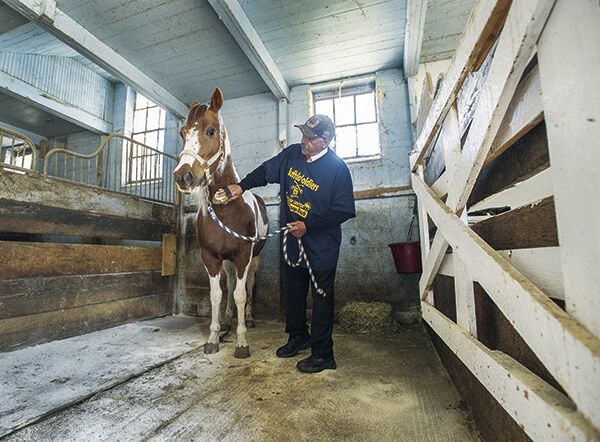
x=216, y=101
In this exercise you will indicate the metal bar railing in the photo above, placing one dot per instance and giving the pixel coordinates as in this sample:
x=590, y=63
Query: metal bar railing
x=17, y=151
x=120, y=164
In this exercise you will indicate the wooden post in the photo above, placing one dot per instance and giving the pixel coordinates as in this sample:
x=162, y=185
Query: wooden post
x=569, y=60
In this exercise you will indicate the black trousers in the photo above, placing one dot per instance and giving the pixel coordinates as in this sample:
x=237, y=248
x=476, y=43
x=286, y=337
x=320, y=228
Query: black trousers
x=296, y=283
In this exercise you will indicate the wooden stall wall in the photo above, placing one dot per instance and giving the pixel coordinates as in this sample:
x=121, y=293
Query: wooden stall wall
x=494, y=288
x=74, y=259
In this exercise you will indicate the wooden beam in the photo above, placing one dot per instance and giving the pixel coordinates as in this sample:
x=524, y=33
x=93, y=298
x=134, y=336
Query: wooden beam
x=169, y=254
x=529, y=226
x=516, y=43
x=29, y=296
x=523, y=114
x=484, y=24
x=17, y=216
x=542, y=411
x=31, y=95
x=542, y=266
x=569, y=352
x=525, y=159
x=63, y=27
x=29, y=259
x=465, y=295
x=24, y=331
x=237, y=22
x=53, y=192
x=533, y=189
x=569, y=61
x=413, y=35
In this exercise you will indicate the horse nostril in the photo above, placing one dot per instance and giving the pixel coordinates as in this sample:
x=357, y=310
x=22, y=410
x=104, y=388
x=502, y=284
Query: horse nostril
x=188, y=178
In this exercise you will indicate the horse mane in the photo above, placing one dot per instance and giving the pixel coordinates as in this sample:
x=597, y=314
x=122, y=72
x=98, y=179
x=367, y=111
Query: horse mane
x=196, y=113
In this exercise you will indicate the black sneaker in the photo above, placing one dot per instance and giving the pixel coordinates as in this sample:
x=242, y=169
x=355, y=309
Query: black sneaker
x=293, y=347
x=313, y=364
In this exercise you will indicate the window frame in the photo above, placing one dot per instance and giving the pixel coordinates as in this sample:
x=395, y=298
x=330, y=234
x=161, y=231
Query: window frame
x=321, y=94
x=134, y=174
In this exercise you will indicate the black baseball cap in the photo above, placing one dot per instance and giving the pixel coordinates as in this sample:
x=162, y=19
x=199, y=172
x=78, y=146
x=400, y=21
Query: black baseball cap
x=318, y=126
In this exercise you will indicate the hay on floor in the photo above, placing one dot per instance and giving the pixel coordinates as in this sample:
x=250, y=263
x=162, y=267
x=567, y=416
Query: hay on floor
x=367, y=317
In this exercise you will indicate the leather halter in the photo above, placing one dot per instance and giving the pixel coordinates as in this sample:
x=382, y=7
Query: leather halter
x=205, y=164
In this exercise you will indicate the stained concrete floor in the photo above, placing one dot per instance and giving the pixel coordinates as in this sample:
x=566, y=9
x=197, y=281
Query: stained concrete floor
x=390, y=388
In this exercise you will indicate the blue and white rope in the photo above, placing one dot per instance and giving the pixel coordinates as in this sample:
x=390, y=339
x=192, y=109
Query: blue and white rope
x=302, y=255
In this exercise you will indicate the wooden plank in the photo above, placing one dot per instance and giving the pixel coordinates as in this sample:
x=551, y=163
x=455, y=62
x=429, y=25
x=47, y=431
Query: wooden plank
x=42, y=100
x=480, y=32
x=413, y=35
x=16, y=216
x=525, y=159
x=515, y=45
x=28, y=296
x=63, y=27
x=542, y=266
x=29, y=330
x=53, y=192
x=239, y=26
x=542, y=411
x=568, y=350
x=533, y=189
x=465, y=294
x=523, y=114
x=26, y=260
x=526, y=227
x=571, y=93
x=169, y=254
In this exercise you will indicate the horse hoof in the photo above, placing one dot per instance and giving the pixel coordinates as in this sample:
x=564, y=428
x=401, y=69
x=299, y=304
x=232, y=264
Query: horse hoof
x=210, y=348
x=250, y=323
x=242, y=352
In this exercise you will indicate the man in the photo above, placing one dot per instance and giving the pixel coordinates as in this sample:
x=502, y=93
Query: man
x=316, y=198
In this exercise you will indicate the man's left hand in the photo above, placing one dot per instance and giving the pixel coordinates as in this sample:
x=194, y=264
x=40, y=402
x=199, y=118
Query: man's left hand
x=297, y=228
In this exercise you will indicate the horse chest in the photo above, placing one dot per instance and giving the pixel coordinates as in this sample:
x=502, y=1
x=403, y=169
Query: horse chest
x=218, y=242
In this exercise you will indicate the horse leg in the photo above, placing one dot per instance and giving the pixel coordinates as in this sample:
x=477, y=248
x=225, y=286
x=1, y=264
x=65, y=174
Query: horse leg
x=230, y=272
x=250, y=283
x=213, y=267
x=242, y=350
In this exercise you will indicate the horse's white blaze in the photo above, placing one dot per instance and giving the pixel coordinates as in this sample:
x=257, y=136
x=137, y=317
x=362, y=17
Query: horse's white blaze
x=215, y=300
x=191, y=143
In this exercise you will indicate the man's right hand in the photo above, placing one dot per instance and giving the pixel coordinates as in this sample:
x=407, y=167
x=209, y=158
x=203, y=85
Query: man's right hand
x=236, y=192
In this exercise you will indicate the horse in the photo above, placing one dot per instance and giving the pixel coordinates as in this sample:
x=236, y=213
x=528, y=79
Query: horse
x=205, y=163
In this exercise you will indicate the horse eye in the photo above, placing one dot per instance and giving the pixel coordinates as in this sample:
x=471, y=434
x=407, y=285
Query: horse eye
x=210, y=131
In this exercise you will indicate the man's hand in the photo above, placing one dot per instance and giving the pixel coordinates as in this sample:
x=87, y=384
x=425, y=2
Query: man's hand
x=221, y=196
x=297, y=228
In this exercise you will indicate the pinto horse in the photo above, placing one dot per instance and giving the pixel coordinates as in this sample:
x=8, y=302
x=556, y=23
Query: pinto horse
x=205, y=162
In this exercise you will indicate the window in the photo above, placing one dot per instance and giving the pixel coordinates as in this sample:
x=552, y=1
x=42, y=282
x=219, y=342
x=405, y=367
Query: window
x=354, y=114
x=149, y=131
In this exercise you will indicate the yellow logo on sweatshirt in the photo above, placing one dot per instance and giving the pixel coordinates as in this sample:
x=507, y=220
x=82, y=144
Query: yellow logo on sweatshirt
x=300, y=183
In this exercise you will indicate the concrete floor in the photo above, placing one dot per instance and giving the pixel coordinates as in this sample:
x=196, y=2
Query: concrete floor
x=391, y=388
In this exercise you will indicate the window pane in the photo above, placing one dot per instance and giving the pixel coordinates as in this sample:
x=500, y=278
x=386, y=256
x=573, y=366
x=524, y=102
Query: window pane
x=161, y=140
x=153, y=118
x=344, y=110
x=345, y=143
x=139, y=121
x=140, y=101
x=365, y=108
x=324, y=107
x=368, y=139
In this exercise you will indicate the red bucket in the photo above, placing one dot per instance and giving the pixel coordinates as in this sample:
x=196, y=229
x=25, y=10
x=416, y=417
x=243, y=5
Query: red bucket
x=407, y=256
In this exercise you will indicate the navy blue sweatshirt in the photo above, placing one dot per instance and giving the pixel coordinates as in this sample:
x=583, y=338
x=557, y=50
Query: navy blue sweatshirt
x=319, y=193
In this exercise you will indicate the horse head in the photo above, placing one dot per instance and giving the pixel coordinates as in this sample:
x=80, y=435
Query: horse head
x=204, y=145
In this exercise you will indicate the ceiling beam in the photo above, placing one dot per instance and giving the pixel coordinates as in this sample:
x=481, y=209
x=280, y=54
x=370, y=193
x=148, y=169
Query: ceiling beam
x=48, y=16
x=413, y=36
x=237, y=22
x=40, y=99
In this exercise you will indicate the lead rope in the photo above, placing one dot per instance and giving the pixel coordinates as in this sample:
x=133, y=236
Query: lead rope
x=302, y=255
